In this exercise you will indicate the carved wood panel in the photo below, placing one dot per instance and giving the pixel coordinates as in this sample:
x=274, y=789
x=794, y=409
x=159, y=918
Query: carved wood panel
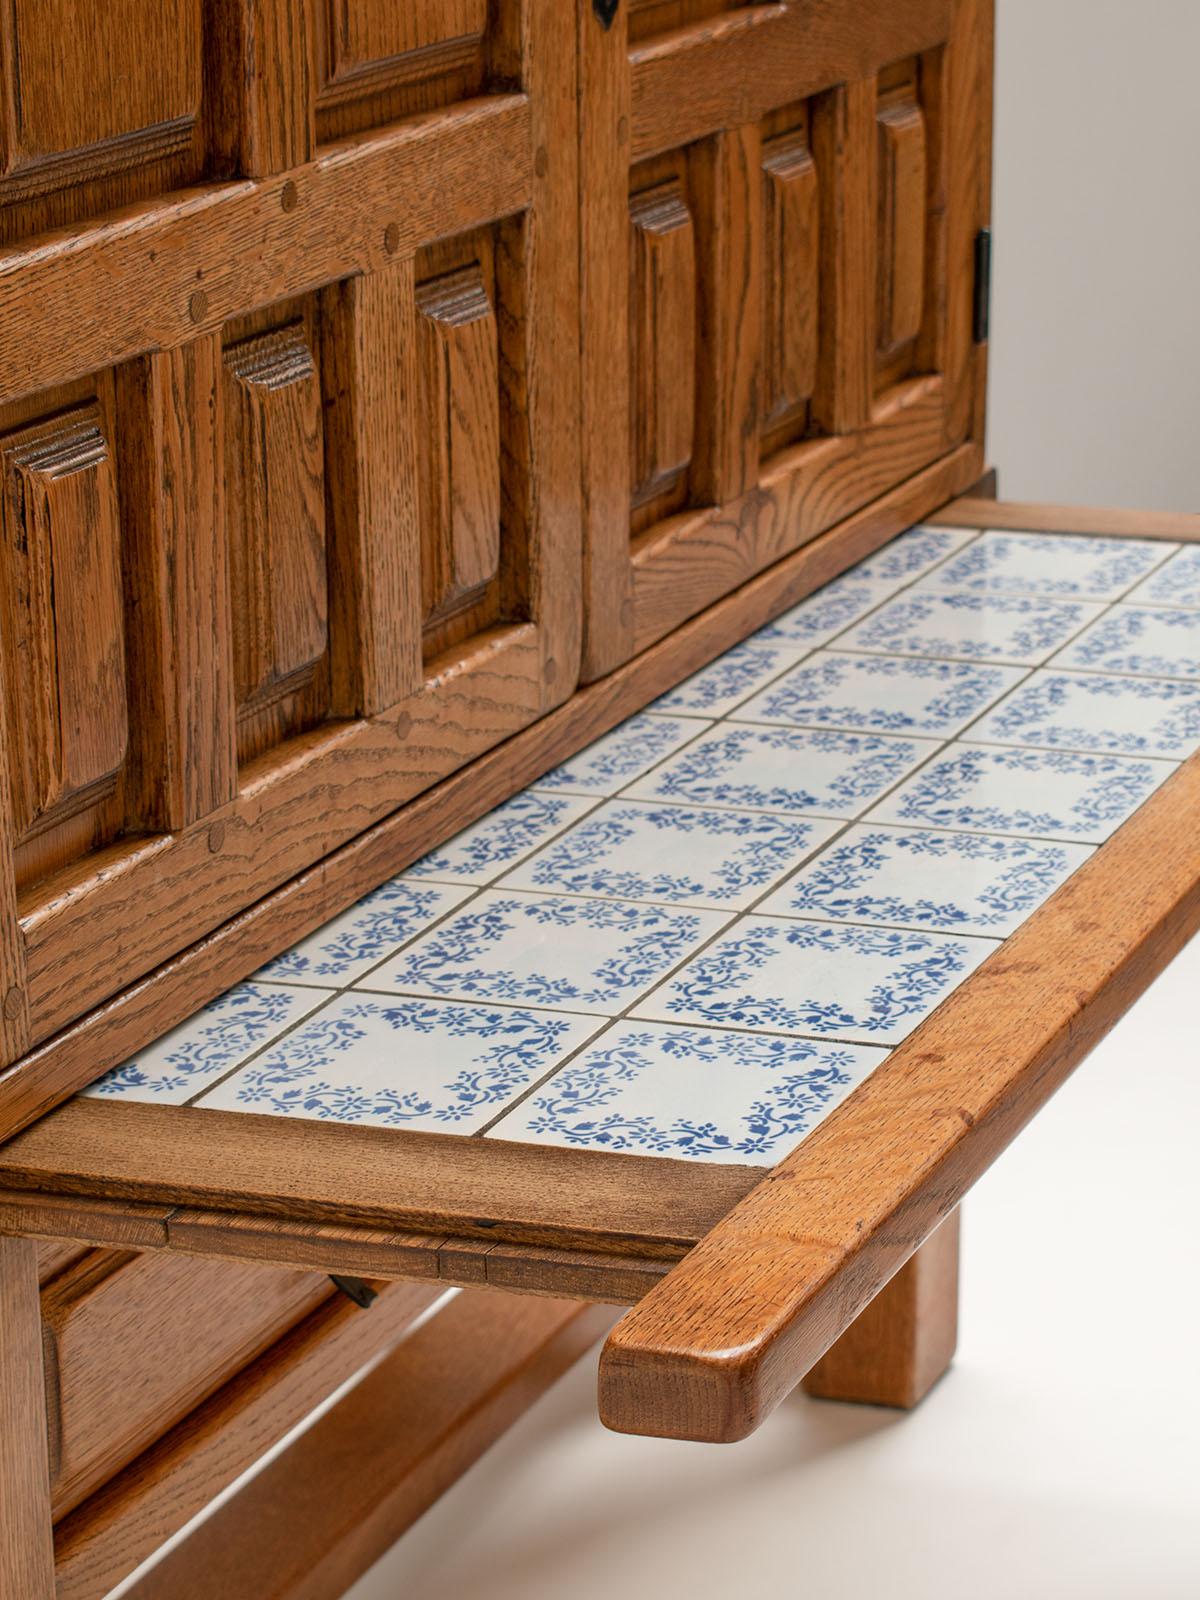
x=799, y=188
x=289, y=468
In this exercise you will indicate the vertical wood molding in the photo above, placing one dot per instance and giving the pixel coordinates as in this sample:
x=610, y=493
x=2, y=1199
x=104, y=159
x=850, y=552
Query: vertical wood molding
x=61, y=612
x=459, y=442
x=26, y=1539
x=902, y=224
x=604, y=224
x=275, y=508
x=727, y=183
x=261, y=86
x=844, y=145
x=898, y=1348
x=662, y=357
x=14, y=995
x=792, y=267
x=183, y=735
x=369, y=372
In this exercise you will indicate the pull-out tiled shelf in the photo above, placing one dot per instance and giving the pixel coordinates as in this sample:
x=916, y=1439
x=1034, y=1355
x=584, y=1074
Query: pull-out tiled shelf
x=792, y=894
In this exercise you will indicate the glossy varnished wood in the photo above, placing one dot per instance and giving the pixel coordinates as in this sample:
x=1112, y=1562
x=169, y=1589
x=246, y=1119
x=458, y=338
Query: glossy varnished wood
x=712, y=1350
x=311, y=1523
x=1036, y=517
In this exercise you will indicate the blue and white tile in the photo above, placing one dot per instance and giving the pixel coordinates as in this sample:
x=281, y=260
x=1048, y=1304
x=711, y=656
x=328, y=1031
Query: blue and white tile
x=1020, y=630
x=350, y=945
x=1086, y=711
x=1175, y=583
x=548, y=950
x=913, y=554
x=208, y=1044
x=403, y=1063
x=630, y=749
x=1048, y=794
x=677, y=855
x=826, y=613
x=789, y=770
x=482, y=852
x=882, y=694
x=691, y=1094
x=1056, y=565
x=1146, y=641
x=717, y=689
x=773, y=975
x=918, y=878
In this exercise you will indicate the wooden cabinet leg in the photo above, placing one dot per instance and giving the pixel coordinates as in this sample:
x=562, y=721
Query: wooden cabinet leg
x=26, y=1536
x=898, y=1348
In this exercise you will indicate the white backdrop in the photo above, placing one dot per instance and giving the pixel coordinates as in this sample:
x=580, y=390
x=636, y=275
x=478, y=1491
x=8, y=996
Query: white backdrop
x=1095, y=366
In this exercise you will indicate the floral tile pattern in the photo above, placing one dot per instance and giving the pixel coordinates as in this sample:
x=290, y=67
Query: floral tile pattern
x=481, y=853
x=1018, y=629
x=1084, y=711
x=694, y=938
x=673, y=854
x=816, y=620
x=913, y=554
x=789, y=770
x=916, y=878
x=1063, y=565
x=716, y=689
x=1046, y=794
x=548, y=950
x=630, y=749
x=1142, y=640
x=351, y=944
x=208, y=1044
x=1175, y=583
x=817, y=978
x=690, y=1093
x=881, y=694
x=403, y=1063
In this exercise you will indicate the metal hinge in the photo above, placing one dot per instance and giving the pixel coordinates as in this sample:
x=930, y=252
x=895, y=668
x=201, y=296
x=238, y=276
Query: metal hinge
x=606, y=10
x=982, y=309
x=355, y=1289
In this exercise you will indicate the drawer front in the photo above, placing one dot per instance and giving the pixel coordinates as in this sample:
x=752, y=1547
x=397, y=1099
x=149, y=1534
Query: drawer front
x=134, y=1342
x=778, y=209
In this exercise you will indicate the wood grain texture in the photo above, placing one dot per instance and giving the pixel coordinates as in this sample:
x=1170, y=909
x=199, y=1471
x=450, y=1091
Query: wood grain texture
x=894, y=1352
x=843, y=142
x=732, y=69
x=709, y=1353
x=26, y=1551
x=14, y=994
x=459, y=455
x=901, y=191
x=662, y=337
x=726, y=173
x=321, y=1513
x=434, y=174
x=369, y=377
x=407, y=1181
x=134, y=1342
x=127, y=1022
x=1036, y=517
x=183, y=753
x=791, y=274
x=261, y=85
x=61, y=614
x=596, y=1275
x=101, y=1542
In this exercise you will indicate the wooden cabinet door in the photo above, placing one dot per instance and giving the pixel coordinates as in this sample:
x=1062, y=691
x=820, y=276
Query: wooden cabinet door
x=779, y=207
x=289, y=519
